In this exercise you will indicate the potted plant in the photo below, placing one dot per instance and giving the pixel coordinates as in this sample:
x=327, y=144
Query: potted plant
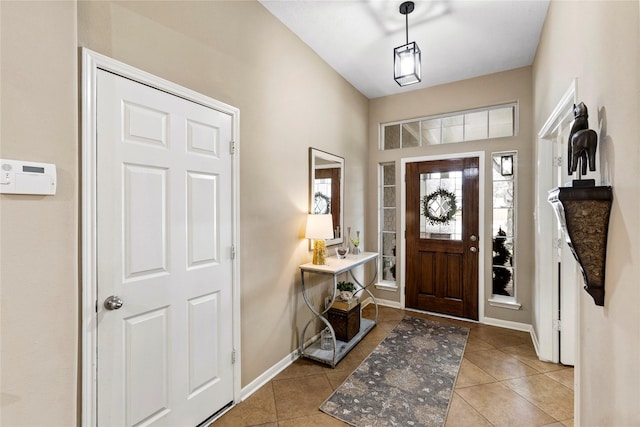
x=346, y=290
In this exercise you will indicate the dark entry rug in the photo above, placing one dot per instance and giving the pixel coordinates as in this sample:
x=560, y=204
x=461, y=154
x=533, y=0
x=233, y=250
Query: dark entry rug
x=407, y=380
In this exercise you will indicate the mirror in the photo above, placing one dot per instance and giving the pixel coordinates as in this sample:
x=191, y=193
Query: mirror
x=326, y=190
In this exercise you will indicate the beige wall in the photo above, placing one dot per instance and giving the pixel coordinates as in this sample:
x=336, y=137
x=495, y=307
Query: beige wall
x=598, y=43
x=39, y=234
x=289, y=100
x=484, y=91
x=236, y=52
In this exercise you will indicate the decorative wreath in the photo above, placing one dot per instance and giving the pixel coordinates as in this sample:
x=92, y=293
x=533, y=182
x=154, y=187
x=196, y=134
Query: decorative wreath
x=321, y=203
x=439, y=207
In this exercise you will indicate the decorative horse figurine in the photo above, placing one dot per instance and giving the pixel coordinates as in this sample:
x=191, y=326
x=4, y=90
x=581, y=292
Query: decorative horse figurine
x=582, y=142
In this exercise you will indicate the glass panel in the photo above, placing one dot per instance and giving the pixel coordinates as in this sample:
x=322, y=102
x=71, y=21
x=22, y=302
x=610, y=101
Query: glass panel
x=410, y=134
x=502, y=194
x=391, y=137
x=453, y=121
x=503, y=281
x=503, y=220
x=431, y=131
x=389, y=244
x=501, y=122
x=431, y=136
x=475, y=126
x=452, y=129
x=452, y=134
x=389, y=268
x=389, y=197
x=389, y=219
x=431, y=124
x=441, y=205
x=389, y=174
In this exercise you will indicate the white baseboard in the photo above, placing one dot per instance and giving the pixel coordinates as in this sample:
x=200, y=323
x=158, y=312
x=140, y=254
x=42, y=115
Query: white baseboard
x=516, y=326
x=268, y=375
x=388, y=303
x=534, y=339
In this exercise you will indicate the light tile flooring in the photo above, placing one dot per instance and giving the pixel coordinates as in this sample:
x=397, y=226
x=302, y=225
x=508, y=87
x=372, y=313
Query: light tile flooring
x=501, y=383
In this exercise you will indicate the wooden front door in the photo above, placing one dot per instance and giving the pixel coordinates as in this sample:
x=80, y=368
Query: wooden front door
x=442, y=236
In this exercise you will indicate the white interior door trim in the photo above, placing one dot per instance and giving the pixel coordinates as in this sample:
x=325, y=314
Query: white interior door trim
x=481, y=225
x=546, y=285
x=91, y=63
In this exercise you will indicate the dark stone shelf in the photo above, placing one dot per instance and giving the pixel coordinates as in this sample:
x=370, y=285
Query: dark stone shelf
x=583, y=213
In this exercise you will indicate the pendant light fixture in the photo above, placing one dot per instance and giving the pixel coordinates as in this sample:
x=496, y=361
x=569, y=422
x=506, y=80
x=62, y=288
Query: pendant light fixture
x=407, y=58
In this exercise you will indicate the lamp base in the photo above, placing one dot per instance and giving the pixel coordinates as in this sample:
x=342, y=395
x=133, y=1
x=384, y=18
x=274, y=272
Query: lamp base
x=319, y=252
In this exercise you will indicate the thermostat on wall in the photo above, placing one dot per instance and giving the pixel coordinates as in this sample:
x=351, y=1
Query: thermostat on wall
x=20, y=177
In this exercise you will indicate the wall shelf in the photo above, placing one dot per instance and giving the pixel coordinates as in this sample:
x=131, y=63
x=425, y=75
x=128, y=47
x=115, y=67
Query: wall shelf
x=583, y=213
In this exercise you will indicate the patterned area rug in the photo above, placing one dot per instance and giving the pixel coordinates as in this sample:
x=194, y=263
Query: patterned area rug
x=407, y=380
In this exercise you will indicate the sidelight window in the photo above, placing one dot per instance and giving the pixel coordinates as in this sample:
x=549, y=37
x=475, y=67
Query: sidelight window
x=504, y=229
x=387, y=224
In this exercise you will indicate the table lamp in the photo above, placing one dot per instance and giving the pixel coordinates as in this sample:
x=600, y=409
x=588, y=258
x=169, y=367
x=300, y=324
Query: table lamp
x=319, y=228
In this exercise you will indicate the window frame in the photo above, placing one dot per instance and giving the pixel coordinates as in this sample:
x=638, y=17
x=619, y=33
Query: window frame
x=452, y=116
x=496, y=300
x=390, y=285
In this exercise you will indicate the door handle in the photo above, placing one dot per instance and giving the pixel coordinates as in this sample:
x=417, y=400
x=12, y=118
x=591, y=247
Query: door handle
x=473, y=238
x=113, y=303
x=473, y=249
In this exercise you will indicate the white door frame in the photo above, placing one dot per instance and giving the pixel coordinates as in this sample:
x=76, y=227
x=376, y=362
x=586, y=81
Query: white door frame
x=481, y=225
x=91, y=62
x=547, y=286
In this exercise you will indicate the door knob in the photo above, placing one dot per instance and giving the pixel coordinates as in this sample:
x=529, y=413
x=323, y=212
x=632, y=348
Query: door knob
x=113, y=303
x=473, y=249
x=473, y=237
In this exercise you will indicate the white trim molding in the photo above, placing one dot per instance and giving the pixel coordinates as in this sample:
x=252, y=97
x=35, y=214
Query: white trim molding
x=91, y=63
x=507, y=324
x=546, y=286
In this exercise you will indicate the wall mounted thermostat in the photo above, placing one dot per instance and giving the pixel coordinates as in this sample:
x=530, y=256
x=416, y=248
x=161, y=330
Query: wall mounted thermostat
x=20, y=177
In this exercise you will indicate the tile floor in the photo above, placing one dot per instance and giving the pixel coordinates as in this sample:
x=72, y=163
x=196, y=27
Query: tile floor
x=501, y=383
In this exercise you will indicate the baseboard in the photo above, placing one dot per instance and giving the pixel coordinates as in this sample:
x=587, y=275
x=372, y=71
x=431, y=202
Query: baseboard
x=268, y=375
x=388, y=303
x=286, y=361
x=507, y=324
x=534, y=339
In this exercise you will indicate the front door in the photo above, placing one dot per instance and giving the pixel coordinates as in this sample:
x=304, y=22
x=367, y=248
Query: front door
x=442, y=236
x=164, y=268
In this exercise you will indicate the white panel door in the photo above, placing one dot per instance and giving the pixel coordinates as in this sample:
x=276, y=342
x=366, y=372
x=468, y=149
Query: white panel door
x=164, y=236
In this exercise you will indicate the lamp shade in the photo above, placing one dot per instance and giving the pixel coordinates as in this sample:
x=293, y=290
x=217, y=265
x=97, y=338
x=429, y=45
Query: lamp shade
x=319, y=227
x=406, y=64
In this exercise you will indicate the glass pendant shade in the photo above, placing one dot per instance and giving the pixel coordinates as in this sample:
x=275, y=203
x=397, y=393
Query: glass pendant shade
x=406, y=64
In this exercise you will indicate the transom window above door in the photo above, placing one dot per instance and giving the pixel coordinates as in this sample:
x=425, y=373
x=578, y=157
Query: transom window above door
x=497, y=121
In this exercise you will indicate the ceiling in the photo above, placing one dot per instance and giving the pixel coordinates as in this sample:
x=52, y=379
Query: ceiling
x=458, y=39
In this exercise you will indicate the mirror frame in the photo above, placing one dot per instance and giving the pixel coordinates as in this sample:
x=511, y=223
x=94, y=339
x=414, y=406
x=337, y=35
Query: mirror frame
x=314, y=154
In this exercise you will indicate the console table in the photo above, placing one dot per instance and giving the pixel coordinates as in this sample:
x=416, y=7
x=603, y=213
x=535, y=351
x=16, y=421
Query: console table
x=335, y=267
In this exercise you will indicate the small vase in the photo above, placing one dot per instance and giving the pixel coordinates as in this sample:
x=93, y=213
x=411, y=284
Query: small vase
x=356, y=248
x=326, y=340
x=341, y=252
